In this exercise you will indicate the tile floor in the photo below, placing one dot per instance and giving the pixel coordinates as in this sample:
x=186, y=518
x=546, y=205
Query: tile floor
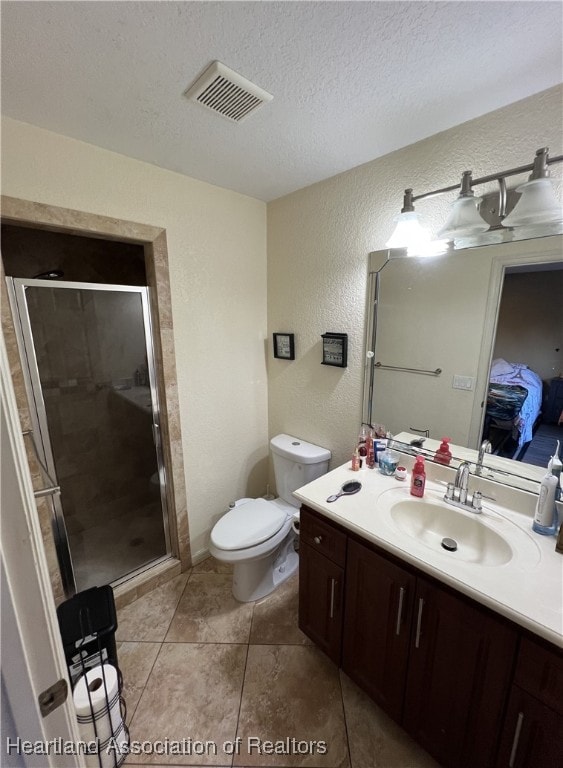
x=202, y=671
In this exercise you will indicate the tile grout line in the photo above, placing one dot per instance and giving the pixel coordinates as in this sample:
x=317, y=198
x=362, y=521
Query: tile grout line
x=345, y=719
x=146, y=683
x=161, y=643
x=244, y=677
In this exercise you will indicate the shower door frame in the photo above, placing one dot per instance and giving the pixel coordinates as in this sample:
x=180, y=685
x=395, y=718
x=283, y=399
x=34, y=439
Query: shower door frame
x=42, y=446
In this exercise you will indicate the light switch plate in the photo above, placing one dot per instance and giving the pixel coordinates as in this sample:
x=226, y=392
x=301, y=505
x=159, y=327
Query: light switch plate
x=463, y=382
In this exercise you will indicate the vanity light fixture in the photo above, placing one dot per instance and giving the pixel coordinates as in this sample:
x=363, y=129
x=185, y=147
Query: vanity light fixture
x=537, y=205
x=409, y=231
x=464, y=218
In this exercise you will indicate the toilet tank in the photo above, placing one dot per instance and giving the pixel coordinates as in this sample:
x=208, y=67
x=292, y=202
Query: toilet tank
x=296, y=463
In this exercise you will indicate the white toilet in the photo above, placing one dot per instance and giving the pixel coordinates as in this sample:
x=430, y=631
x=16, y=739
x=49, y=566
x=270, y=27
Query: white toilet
x=256, y=535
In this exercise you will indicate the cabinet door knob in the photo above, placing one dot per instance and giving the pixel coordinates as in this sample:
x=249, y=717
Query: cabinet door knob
x=318, y=539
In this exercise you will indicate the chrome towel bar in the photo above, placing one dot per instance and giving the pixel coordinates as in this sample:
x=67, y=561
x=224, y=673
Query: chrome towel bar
x=436, y=372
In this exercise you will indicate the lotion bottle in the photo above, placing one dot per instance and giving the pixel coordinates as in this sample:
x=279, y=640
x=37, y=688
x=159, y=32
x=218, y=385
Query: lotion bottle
x=418, y=477
x=545, y=517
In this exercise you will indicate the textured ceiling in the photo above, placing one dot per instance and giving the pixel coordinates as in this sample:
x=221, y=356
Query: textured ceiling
x=351, y=80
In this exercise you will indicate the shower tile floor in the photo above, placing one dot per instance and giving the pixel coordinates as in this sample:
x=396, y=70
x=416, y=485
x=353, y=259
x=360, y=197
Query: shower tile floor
x=103, y=553
x=203, y=670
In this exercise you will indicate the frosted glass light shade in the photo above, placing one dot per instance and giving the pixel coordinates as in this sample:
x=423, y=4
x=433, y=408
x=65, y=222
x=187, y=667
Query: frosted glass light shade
x=538, y=204
x=464, y=219
x=409, y=232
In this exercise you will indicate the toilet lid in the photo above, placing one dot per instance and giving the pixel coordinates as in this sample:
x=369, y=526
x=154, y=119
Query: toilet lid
x=248, y=524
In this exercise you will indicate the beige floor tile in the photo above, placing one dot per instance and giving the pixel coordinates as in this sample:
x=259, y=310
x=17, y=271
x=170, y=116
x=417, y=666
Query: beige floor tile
x=208, y=612
x=274, y=620
x=292, y=692
x=148, y=617
x=193, y=693
x=375, y=741
x=211, y=565
x=135, y=661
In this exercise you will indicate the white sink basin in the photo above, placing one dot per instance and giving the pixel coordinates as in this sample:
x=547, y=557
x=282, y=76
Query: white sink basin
x=419, y=526
x=432, y=523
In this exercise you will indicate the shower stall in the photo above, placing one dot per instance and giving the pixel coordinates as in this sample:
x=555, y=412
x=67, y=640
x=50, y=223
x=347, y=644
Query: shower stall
x=88, y=359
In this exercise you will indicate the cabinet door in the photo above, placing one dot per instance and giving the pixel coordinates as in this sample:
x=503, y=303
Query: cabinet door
x=533, y=734
x=378, y=604
x=320, y=600
x=461, y=660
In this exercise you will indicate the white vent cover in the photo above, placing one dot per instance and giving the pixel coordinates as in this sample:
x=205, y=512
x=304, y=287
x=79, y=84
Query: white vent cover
x=225, y=91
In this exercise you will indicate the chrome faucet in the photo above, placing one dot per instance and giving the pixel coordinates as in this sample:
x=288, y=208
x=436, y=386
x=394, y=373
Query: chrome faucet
x=486, y=447
x=457, y=493
x=461, y=481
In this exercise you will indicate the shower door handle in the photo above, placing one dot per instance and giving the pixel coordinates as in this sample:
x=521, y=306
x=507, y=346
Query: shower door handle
x=53, y=488
x=51, y=491
x=156, y=434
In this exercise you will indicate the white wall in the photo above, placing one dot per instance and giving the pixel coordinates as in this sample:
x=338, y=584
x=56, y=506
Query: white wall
x=318, y=244
x=217, y=261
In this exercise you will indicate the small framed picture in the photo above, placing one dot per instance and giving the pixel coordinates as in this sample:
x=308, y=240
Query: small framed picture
x=335, y=349
x=284, y=346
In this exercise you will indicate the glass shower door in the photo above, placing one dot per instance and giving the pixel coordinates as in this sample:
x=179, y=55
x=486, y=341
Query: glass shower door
x=91, y=376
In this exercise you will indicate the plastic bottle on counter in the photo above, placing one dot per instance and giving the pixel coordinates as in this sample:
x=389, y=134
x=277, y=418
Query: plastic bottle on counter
x=356, y=461
x=443, y=455
x=362, y=445
x=370, y=454
x=418, y=477
x=545, y=517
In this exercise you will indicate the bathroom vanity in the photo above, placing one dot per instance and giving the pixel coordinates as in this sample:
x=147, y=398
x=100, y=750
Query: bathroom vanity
x=464, y=649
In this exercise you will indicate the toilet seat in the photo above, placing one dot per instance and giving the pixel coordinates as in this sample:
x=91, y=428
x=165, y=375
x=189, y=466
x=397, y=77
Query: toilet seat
x=247, y=525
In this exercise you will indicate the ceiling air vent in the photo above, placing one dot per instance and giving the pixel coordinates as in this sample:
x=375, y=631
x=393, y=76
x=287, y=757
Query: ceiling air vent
x=226, y=92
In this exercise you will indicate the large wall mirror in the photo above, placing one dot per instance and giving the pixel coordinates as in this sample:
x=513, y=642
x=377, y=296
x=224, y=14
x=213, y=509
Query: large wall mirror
x=435, y=326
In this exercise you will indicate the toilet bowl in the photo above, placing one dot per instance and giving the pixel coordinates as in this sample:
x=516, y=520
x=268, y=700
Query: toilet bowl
x=256, y=535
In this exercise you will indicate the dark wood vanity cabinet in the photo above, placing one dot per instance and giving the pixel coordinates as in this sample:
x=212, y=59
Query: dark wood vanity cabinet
x=532, y=736
x=377, y=626
x=437, y=662
x=460, y=668
x=322, y=557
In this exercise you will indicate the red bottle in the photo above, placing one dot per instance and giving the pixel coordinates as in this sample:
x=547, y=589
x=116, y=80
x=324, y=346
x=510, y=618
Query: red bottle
x=443, y=455
x=418, y=477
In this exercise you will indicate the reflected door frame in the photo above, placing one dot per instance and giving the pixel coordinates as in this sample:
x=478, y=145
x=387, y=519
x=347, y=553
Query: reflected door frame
x=522, y=253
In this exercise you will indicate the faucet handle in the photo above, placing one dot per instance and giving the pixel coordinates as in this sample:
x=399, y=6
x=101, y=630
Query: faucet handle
x=477, y=500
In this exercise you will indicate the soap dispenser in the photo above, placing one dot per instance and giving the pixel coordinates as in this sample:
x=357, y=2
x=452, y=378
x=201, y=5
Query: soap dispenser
x=443, y=455
x=418, y=477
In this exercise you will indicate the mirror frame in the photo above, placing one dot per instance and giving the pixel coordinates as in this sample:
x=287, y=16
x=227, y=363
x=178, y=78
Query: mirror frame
x=540, y=250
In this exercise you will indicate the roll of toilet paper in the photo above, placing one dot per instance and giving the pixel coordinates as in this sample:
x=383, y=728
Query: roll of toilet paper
x=295, y=522
x=98, y=710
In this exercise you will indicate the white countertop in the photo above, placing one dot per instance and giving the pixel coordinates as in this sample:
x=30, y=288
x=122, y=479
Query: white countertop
x=528, y=589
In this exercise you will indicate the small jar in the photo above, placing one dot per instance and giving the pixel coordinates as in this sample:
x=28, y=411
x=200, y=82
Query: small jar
x=401, y=473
